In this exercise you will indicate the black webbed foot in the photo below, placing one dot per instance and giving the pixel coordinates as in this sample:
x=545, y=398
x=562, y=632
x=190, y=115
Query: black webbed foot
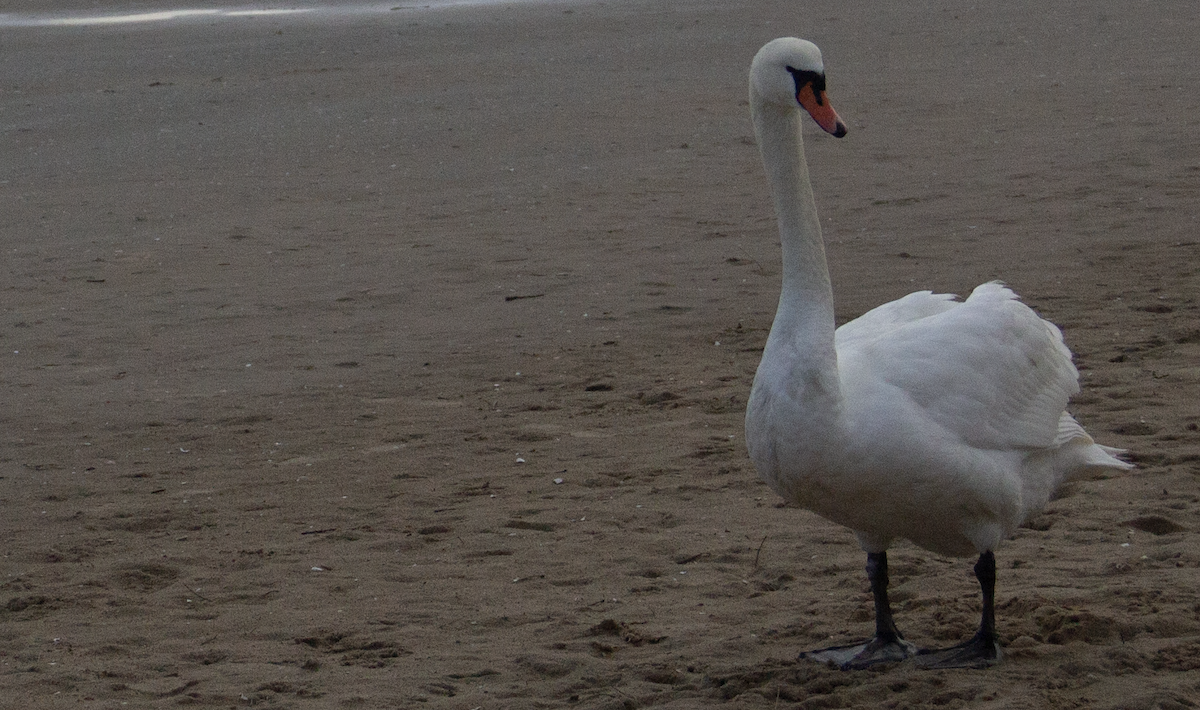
x=888, y=646
x=981, y=651
x=864, y=655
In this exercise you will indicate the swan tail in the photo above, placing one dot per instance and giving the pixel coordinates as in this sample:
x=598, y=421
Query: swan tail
x=1074, y=455
x=1087, y=457
x=1108, y=457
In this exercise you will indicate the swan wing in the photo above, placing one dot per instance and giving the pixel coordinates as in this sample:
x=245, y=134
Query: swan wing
x=882, y=319
x=989, y=371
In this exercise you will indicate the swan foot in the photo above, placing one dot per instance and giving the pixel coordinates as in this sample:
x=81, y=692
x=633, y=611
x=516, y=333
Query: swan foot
x=888, y=646
x=980, y=652
x=983, y=649
x=864, y=655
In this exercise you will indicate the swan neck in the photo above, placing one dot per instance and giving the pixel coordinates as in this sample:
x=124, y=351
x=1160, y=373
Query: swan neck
x=805, y=312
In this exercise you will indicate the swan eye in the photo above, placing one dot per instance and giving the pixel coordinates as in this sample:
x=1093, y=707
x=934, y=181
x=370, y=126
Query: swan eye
x=804, y=77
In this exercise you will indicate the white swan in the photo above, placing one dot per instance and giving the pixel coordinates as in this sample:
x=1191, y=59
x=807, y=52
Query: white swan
x=939, y=421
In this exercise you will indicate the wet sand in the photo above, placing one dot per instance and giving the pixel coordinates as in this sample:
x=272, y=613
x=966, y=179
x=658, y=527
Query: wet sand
x=401, y=361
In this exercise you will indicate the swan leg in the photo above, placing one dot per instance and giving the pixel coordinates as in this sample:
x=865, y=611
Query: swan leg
x=984, y=648
x=887, y=646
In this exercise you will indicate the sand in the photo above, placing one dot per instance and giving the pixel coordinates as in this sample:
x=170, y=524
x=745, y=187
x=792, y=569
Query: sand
x=398, y=360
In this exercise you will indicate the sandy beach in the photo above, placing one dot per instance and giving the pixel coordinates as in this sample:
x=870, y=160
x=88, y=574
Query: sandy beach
x=399, y=359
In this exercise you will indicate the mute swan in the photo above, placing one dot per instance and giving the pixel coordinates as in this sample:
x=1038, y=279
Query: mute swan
x=938, y=421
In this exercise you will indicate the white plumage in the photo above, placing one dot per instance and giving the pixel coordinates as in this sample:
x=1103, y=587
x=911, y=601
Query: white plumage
x=938, y=421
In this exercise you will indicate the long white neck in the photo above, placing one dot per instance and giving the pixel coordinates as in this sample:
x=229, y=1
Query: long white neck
x=804, y=324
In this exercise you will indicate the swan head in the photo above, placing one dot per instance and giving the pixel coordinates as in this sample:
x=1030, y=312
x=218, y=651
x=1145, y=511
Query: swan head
x=789, y=72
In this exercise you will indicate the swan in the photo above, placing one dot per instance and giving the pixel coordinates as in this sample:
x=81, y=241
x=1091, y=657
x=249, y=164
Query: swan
x=939, y=421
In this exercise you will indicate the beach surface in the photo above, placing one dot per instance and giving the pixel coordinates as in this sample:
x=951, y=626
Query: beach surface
x=399, y=359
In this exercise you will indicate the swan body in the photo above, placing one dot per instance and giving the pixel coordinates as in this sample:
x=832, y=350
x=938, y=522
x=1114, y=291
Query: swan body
x=930, y=419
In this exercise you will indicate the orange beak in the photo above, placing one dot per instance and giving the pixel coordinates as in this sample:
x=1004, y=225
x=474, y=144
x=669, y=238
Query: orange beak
x=818, y=107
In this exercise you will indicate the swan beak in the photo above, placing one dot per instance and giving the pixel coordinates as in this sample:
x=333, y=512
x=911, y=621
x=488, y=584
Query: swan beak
x=817, y=105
